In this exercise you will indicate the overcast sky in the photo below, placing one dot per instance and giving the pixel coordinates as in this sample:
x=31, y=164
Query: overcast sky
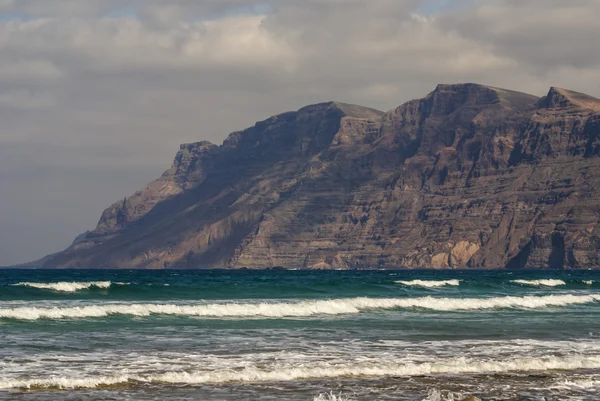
x=97, y=95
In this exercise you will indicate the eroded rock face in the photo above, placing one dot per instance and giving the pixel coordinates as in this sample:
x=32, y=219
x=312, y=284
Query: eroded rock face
x=188, y=171
x=468, y=177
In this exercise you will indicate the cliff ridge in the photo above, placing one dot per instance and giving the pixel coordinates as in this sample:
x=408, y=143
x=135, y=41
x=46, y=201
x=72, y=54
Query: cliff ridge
x=470, y=176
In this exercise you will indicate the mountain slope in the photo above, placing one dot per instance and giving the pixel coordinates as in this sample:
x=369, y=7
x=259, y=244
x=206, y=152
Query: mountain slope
x=469, y=176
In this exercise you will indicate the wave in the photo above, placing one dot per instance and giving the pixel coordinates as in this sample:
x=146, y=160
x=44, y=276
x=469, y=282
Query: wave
x=540, y=283
x=429, y=283
x=588, y=282
x=318, y=371
x=66, y=286
x=295, y=309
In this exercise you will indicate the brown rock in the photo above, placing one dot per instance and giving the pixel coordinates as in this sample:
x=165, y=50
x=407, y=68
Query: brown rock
x=462, y=253
x=440, y=261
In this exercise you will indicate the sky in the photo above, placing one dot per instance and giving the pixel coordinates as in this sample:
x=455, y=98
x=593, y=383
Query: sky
x=97, y=95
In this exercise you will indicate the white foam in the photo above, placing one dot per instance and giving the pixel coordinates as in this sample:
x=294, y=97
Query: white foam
x=65, y=286
x=437, y=395
x=588, y=282
x=318, y=371
x=295, y=309
x=581, y=383
x=430, y=283
x=332, y=397
x=540, y=283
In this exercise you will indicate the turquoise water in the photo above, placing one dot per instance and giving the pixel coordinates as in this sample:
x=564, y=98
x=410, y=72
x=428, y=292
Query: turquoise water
x=299, y=335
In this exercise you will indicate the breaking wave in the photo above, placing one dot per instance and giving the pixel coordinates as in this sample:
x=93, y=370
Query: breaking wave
x=317, y=371
x=540, y=283
x=295, y=309
x=66, y=286
x=429, y=283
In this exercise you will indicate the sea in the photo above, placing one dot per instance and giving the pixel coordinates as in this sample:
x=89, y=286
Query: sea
x=299, y=335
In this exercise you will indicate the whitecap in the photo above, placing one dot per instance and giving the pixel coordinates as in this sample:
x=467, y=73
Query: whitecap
x=66, y=286
x=540, y=283
x=295, y=309
x=430, y=283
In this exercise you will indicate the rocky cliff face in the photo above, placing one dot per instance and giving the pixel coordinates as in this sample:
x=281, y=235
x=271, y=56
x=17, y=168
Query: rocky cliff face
x=468, y=177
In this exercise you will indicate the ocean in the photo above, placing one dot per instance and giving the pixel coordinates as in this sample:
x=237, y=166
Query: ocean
x=299, y=335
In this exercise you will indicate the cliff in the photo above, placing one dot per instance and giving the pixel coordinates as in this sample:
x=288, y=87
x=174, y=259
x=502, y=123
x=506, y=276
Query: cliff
x=468, y=177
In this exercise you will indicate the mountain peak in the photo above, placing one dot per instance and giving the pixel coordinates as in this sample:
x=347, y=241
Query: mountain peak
x=460, y=86
x=349, y=110
x=447, y=97
x=200, y=146
x=563, y=98
x=353, y=110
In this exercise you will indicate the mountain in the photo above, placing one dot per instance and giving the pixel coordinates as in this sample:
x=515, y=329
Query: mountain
x=470, y=176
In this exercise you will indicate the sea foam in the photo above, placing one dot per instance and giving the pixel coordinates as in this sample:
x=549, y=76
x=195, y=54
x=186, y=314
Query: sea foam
x=332, y=397
x=540, y=283
x=295, y=309
x=253, y=374
x=66, y=286
x=429, y=283
x=581, y=383
x=444, y=395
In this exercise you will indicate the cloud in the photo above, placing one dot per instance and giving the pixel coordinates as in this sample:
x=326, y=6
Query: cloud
x=25, y=99
x=96, y=95
x=24, y=71
x=547, y=37
x=117, y=45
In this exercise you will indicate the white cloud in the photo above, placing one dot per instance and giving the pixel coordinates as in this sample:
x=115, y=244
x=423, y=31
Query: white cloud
x=122, y=44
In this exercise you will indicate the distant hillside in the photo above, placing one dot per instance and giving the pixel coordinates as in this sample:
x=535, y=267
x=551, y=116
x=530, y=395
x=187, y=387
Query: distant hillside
x=35, y=263
x=468, y=177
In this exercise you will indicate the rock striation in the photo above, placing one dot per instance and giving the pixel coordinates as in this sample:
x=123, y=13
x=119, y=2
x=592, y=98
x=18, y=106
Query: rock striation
x=468, y=177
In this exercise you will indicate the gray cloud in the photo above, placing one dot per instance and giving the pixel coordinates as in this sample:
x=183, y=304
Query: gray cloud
x=557, y=34
x=96, y=95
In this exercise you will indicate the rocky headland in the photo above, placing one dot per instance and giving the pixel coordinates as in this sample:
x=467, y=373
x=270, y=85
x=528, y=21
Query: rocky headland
x=470, y=176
